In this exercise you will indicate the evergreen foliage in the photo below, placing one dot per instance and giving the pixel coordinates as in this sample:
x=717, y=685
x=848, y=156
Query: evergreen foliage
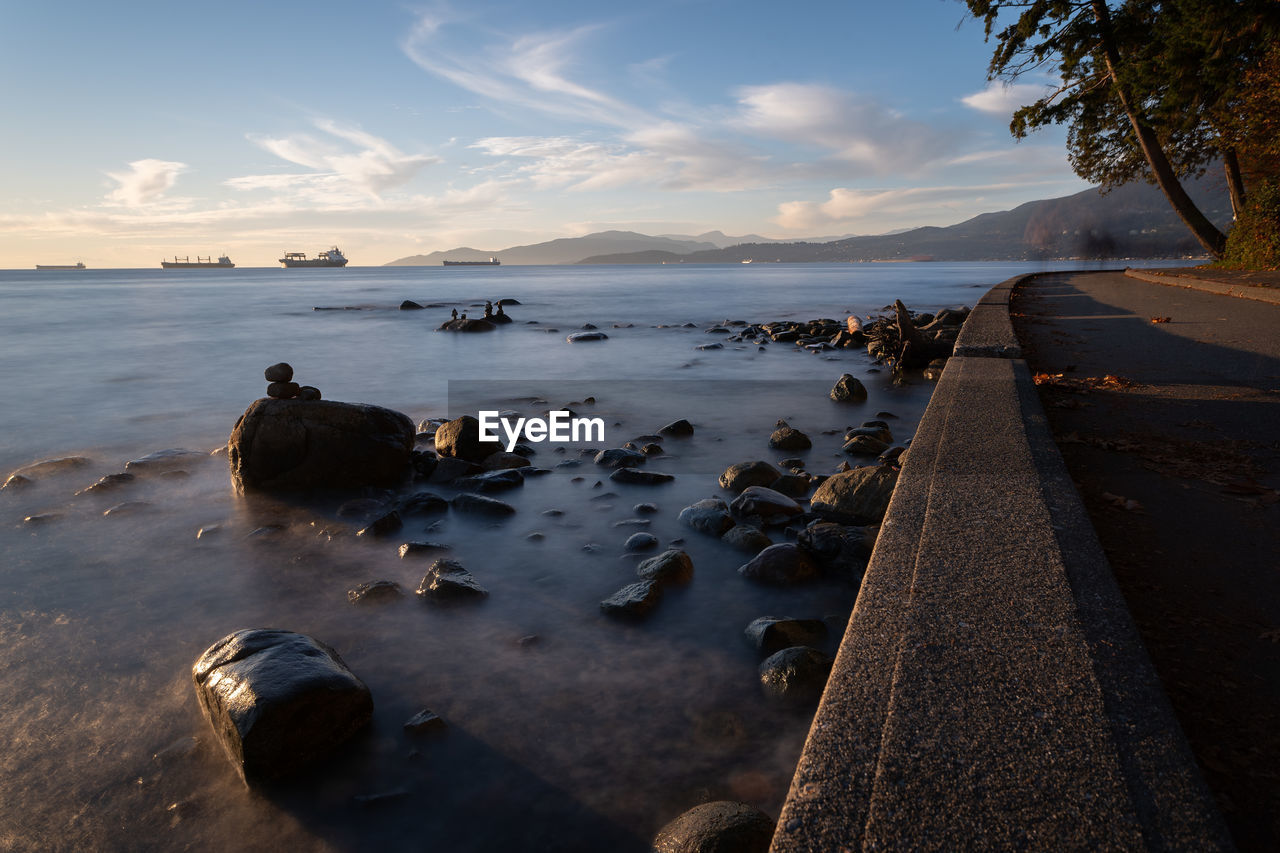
x=1254, y=241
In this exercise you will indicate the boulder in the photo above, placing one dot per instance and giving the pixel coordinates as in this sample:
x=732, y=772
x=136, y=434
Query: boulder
x=491, y=481
x=710, y=515
x=640, y=542
x=460, y=438
x=673, y=566
x=471, y=324
x=447, y=580
x=792, y=485
x=422, y=503
x=796, y=674
x=449, y=469
x=278, y=701
x=848, y=390
x=780, y=564
x=633, y=600
x=638, y=477
x=678, y=429
x=582, y=337
x=764, y=503
x=165, y=460
x=786, y=437
x=292, y=444
x=771, y=634
x=862, y=493
x=839, y=549
x=480, y=505
x=619, y=457
x=503, y=460
x=283, y=390
x=865, y=445
x=746, y=538
x=282, y=372
x=375, y=592
x=719, y=827
x=410, y=305
x=745, y=474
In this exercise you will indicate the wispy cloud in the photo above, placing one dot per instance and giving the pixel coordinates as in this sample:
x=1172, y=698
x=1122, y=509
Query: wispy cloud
x=1004, y=99
x=884, y=209
x=146, y=182
x=347, y=160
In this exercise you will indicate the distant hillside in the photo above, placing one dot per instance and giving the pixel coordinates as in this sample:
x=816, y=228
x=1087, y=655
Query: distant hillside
x=1133, y=221
x=567, y=250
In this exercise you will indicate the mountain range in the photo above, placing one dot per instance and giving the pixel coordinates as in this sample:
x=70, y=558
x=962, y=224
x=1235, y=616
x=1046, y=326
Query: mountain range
x=1132, y=221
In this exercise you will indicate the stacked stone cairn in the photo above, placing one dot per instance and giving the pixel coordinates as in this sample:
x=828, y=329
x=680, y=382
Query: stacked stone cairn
x=280, y=384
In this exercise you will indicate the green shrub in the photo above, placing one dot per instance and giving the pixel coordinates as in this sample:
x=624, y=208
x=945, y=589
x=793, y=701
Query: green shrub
x=1253, y=243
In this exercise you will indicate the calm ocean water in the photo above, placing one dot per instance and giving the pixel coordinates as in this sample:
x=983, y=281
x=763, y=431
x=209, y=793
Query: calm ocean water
x=589, y=738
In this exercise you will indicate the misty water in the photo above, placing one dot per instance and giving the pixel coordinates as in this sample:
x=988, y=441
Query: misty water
x=589, y=737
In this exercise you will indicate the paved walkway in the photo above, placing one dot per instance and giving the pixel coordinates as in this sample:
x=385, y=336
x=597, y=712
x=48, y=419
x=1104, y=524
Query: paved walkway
x=1165, y=403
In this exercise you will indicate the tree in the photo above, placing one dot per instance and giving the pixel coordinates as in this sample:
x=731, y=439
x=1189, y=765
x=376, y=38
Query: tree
x=1149, y=89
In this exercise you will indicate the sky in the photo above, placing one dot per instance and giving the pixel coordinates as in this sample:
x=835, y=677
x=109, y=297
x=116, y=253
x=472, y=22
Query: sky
x=137, y=131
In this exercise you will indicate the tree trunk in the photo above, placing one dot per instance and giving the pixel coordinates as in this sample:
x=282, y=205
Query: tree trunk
x=1205, y=231
x=1235, y=181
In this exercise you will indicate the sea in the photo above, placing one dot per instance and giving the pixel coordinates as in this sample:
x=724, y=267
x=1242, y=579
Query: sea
x=564, y=729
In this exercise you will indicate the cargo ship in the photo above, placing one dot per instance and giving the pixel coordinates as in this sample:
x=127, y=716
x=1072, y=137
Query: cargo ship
x=222, y=263
x=78, y=265
x=331, y=258
x=492, y=262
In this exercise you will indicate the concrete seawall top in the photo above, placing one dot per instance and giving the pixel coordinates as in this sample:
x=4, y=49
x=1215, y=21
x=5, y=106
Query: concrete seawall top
x=991, y=691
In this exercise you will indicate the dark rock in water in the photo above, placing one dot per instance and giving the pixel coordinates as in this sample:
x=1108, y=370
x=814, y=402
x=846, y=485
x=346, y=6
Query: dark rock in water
x=848, y=390
x=375, y=592
x=878, y=430
x=51, y=466
x=410, y=305
x=415, y=550
x=283, y=390
x=41, y=519
x=165, y=460
x=672, y=566
x=640, y=542
x=634, y=600
x=508, y=301
x=645, y=509
x=17, y=481
x=425, y=722
x=652, y=449
x=746, y=538
x=460, y=438
x=309, y=393
x=719, y=827
x=862, y=493
x=278, y=701
x=424, y=463
x=524, y=450
x=746, y=474
x=449, y=469
x=590, y=327
x=771, y=634
x=643, y=478
x=128, y=508
x=710, y=346
x=678, y=429
x=788, y=438
x=792, y=485
x=292, y=444
x=106, y=484
x=710, y=515
x=499, y=319
x=865, y=445
x=422, y=503
x=480, y=505
x=582, y=337
x=797, y=674
x=619, y=457
x=780, y=564
x=765, y=503
x=839, y=549
x=362, y=508
x=447, y=580
x=471, y=324
x=491, y=481
x=281, y=372
x=384, y=526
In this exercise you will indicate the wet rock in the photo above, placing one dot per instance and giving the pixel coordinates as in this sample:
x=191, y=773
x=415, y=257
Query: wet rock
x=771, y=634
x=165, y=460
x=765, y=503
x=283, y=390
x=671, y=566
x=291, y=444
x=128, y=508
x=109, y=483
x=449, y=469
x=383, y=526
x=447, y=580
x=848, y=390
x=502, y=461
x=460, y=438
x=375, y=592
x=786, y=437
x=710, y=515
x=471, y=324
x=719, y=827
x=839, y=549
x=633, y=600
x=281, y=372
x=638, y=477
x=746, y=474
x=481, y=505
x=780, y=564
x=862, y=493
x=425, y=722
x=278, y=701
x=797, y=674
x=41, y=519
x=792, y=485
x=619, y=457
x=633, y=522
x=51, y=466
x=418, y=550
x=878, y=430
x=640, y=542
x=678, y=429
x=410, y=305
x=16, y=481
x=491, y=481
x=583, y=337
x=422, y=503
x=308, y=393
x=865, y=445
x=716, y=345
x=645, y=509
x=746, y=538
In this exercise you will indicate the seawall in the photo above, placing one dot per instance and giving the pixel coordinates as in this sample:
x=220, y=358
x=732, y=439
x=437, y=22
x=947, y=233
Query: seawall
x=991, y=691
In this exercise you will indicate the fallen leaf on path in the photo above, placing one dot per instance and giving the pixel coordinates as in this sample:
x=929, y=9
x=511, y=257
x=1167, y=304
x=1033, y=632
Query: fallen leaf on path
x=1160, y=319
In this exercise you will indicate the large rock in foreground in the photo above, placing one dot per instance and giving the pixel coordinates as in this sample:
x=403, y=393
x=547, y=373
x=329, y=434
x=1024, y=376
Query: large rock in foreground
x=719, y=827
x=862, y=493
x=299, y=444
x=278, y=701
